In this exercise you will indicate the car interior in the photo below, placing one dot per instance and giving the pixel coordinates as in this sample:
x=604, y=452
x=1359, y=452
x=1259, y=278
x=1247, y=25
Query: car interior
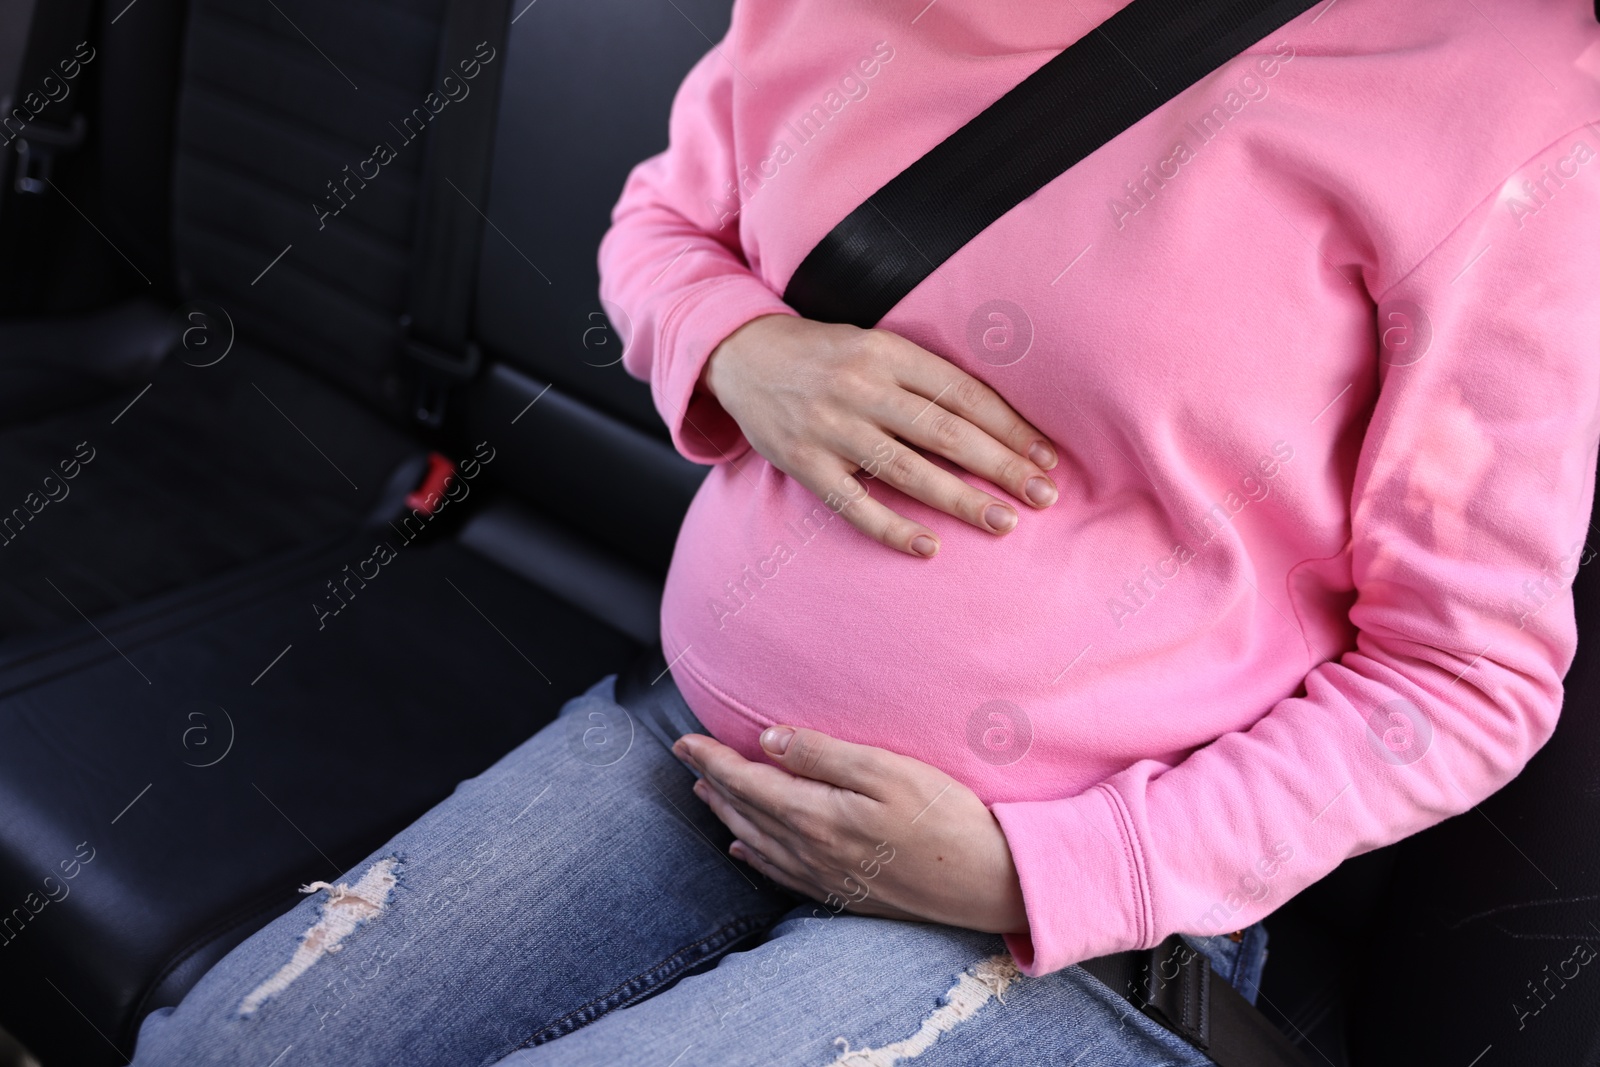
x=270, y=274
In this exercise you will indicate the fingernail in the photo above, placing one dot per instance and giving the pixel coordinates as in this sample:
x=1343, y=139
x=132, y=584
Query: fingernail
x=923, y=545
x=775, y=739
x=1040, y=491
x=1040, y=453
x=699, y=788
x=999, y=519
x=680, y=748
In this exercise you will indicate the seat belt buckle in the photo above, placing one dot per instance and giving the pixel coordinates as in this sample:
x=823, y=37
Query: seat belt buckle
x=1177, y=991
x=37, y=149
x=438, y=371
x=429, y=496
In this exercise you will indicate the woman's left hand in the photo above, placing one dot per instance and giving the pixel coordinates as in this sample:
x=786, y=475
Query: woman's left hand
x=862, y=828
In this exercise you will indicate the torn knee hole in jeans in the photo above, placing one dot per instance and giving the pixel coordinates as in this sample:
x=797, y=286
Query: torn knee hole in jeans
x=346, y=908
x=986, y=980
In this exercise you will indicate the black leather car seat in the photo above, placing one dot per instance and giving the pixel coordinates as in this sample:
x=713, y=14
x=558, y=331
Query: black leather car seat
x=179, y=751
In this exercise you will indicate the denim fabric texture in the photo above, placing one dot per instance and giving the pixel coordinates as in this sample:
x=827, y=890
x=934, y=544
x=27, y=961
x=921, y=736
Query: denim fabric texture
x=575, y=904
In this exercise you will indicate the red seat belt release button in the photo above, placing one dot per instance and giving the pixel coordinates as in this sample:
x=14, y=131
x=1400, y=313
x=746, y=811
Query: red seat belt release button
x=428, y=497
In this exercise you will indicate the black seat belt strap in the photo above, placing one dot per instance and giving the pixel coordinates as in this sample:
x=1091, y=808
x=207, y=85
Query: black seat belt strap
x=1175, y=986
x=436, y=331
x=1103, y=83
x=42, y=117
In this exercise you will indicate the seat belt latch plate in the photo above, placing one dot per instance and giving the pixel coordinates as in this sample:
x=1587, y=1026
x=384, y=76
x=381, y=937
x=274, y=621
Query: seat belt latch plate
x=1177, y=991
x=37, y=148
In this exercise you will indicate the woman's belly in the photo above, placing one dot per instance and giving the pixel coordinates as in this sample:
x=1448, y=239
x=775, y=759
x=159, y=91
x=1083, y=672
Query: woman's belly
x=1100, y=631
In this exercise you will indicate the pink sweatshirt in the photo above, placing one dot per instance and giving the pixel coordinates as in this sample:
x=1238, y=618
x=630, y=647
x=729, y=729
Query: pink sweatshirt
x=1319, y=344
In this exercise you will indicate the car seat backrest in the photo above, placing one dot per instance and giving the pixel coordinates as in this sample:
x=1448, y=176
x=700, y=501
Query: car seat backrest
x=586, y=95
x=300, y=163
x=303, y=138
x=301, y=141
x=587, y=92
x=302, y=134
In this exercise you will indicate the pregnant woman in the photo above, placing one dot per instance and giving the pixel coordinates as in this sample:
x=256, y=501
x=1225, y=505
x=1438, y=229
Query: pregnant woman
x=1204, y=521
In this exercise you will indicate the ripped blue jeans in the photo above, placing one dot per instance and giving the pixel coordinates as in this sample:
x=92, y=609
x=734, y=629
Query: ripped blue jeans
x=575, y=904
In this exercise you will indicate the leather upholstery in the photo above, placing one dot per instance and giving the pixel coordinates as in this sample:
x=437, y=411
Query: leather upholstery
x=55, y=363
x=266, y=129
x=194, y=470
x=618, y=487
x=588, y=88
x=229, y=526
x=209, y=777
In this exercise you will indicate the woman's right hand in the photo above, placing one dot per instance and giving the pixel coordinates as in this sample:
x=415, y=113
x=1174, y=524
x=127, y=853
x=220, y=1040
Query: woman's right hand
x=821, y=401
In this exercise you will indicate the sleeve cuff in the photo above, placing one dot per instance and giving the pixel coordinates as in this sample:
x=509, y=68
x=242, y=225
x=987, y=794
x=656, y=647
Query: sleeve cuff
x=706, y=314
x=1083, y=880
